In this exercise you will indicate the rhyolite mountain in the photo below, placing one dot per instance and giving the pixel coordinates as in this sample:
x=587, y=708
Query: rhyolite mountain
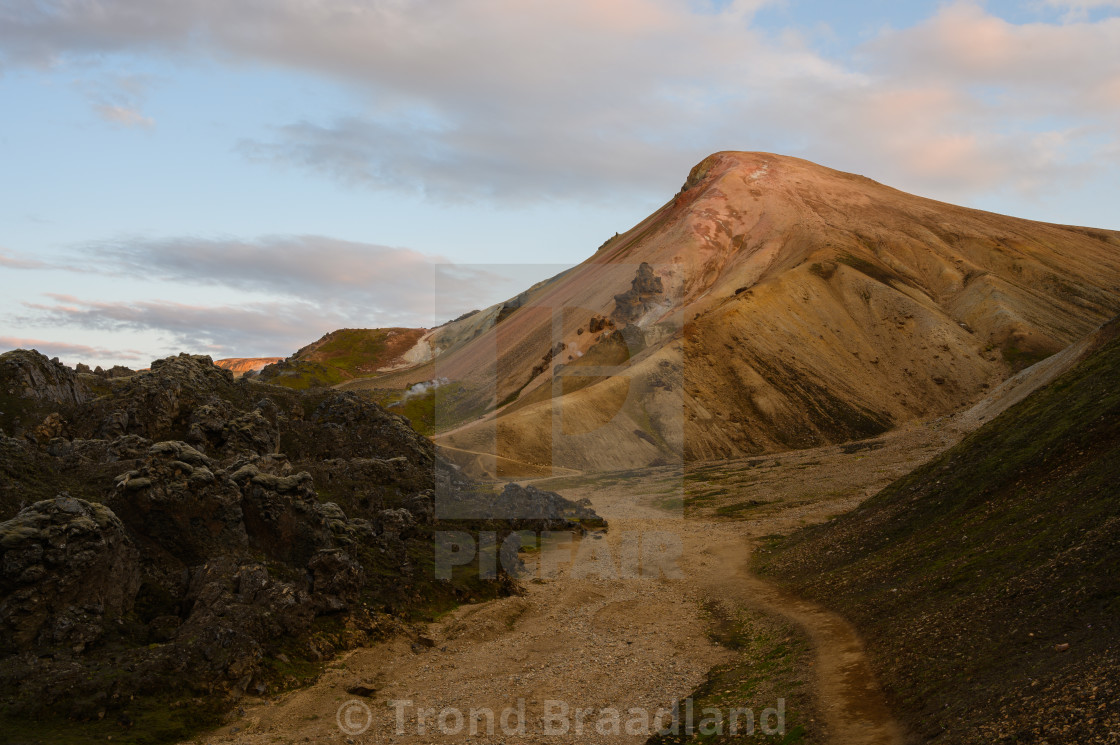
x=241, y=365
x=771, y=304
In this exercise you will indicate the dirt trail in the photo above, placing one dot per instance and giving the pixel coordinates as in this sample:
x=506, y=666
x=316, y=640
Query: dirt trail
x=600, y=639
x=483, y=465
x=854, y=708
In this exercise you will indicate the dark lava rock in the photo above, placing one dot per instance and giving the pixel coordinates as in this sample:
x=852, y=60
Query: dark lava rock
x=222, y=533
x=643, y=295
x=67, y=567
x=30, y=375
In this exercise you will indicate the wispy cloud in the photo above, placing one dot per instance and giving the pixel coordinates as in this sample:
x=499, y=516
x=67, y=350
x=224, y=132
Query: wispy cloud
x=298, y=287
x=223, y=330
x=1080, y=9
x=117, y=98
x=124, y=116
x=70, y=352
x=10, y=260
x=382, y=284
x=508, y=101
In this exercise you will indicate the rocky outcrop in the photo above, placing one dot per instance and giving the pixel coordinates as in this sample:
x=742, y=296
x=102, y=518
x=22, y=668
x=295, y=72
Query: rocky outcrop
x=509, y=306
x=67, y=568
x=177, y=504
x=30, y=375
x=216, y=526
x=116, y=371
x=522, y=507
x=598, y=323
x=162, y=400
x=218, y=428
x=546, y=360
x=530, y=503
x=645, y=293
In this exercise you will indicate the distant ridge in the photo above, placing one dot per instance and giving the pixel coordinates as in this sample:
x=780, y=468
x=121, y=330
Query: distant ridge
x=242, y=365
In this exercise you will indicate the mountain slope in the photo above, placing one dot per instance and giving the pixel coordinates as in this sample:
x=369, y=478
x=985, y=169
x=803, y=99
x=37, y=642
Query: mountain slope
x=343, y=355
x=986, y=582
x=241, y=365
x=785, y=305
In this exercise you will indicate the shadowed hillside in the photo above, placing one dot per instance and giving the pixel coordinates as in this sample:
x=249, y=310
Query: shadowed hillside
x=987, y=583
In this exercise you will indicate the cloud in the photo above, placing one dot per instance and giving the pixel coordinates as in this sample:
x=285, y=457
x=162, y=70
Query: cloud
x=384, y=285
x=1080, y=9
x=123, y=116
x=967, y=47
x=248, y=330
x=8, y=260
x=967, y=102
x=70, y=352
x=479, y=99
x=502, y=100
x=296, y=288
x=117, y=98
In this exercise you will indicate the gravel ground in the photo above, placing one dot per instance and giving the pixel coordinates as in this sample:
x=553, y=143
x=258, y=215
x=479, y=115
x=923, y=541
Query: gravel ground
x=599, y=641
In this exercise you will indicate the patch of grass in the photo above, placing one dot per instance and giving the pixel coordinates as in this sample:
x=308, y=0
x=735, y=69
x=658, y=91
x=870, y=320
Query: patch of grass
x=738, y=508
x=871, y=269
x=419, y=410
x=672, y=502
x=769, y=664
x=339, y=356
x=150, y=720
x=1018, y=358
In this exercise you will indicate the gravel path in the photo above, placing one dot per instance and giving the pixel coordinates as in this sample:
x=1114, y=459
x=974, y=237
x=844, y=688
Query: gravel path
x=599, y=642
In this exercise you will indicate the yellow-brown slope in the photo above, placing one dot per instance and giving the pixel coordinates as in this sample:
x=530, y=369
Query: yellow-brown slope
x=799, y=305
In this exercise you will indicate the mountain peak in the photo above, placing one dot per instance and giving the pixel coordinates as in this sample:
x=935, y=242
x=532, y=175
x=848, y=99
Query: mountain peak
x=772, y=303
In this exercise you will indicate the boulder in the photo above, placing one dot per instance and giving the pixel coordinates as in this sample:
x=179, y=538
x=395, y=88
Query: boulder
x=28, y=374
x=179, y=505
x=67, y=568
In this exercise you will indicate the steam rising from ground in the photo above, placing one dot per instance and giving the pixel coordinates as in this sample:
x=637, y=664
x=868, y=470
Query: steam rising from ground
x=419, y=389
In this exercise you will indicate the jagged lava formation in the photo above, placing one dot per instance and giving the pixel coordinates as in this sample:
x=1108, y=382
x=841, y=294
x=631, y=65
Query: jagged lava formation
x=177, y=535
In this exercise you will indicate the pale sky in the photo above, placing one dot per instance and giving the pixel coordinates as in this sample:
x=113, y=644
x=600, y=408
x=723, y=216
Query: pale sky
x=238, y=177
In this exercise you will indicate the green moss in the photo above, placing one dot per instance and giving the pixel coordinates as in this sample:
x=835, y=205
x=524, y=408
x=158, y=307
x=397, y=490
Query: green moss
x=769, y=663
x=738, y=508
x=419, y=410
x=344, y=355
x=152, y=720
x=871, y=269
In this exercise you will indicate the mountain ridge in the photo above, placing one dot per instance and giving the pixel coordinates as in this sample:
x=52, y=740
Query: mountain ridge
x=783, y=305
x=925, y=306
